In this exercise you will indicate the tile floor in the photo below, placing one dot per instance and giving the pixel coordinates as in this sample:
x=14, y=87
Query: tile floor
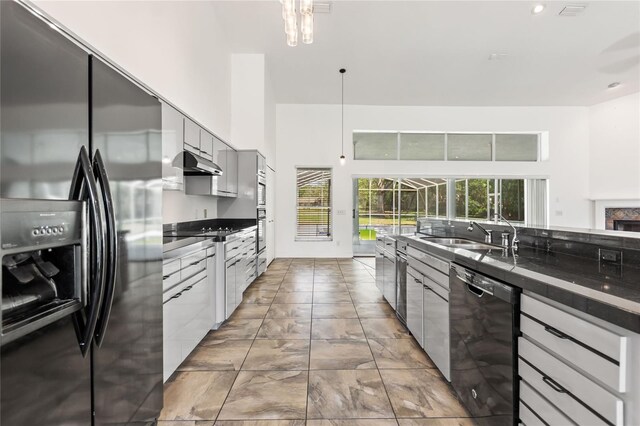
x=313, y=343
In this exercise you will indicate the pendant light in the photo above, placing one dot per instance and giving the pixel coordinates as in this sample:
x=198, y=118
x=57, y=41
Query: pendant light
x=343, y=159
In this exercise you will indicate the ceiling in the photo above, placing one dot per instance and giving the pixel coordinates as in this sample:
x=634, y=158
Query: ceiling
x=437, y=52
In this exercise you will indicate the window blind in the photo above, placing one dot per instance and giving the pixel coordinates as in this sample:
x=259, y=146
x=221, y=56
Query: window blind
x=313, y=204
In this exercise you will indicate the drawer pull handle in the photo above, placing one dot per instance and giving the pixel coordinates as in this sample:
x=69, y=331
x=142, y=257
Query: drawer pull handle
x=175, y=296
x=554, y=385
x=164, y=277
x=195, y=263
x=559, y=334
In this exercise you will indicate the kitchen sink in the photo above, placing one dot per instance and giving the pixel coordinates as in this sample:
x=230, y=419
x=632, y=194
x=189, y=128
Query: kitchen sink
x=462, y=243
x=474, y=246
x=447, y=241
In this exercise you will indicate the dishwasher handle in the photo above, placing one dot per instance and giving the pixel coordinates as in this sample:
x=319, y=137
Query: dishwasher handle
x=479, y=285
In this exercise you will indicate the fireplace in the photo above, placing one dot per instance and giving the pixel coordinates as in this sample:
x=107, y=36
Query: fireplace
x=627, y=225
x=623, y=219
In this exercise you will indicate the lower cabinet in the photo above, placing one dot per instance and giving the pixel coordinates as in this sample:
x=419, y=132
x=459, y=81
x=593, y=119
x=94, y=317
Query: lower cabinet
x=186, y=320
x=436, y=326
x=575, y=368
x=414, y=304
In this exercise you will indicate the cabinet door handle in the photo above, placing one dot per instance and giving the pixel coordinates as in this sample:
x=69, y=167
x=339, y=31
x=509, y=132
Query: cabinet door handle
x=559, y=334
x=554, y=385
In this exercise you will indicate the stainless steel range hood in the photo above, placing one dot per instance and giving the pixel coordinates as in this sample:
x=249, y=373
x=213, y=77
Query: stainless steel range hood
x=194, y=165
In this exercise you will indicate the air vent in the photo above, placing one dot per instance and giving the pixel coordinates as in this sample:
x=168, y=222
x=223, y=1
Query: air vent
x=573, y=10
x=321, y=7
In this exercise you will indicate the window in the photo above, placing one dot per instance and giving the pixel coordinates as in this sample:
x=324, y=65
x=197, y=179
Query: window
x=375, y=146
x=466, y=147
x=422, y=146
x=516, y=147
x=313, y=204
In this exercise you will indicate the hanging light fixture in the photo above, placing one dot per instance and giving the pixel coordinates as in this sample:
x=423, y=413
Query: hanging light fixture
x=291, y=21
x=343, y=159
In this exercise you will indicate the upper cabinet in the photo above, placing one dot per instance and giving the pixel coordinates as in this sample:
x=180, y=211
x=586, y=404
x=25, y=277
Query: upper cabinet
x=191, y=136
x=206, y=145
x=172, y=145
x=181, y=133
x=232, y=172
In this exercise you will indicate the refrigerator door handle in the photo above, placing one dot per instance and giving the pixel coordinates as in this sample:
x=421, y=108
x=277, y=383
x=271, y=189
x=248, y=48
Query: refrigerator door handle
x=83, y=186
x=111, y=256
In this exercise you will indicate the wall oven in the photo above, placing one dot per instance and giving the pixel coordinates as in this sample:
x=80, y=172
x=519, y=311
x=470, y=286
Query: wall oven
x=262, y=189
x=261, y=240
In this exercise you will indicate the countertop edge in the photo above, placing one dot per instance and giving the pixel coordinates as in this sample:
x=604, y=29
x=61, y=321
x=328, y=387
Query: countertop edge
x=616, y=310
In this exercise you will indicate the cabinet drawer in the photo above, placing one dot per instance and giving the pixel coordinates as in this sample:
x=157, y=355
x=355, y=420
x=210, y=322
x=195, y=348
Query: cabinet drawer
x=170, y=274
x=589, y=333
x=567, y=387
x=594, y=364
x=542, y=408
x=527, y=418
x=193, y=264
x=434, y=262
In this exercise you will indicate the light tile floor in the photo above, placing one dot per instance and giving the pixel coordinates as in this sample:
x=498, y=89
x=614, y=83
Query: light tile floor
x=313, y=343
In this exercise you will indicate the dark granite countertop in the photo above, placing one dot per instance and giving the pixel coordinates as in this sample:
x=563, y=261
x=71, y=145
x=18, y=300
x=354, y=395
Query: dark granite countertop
x=609, y=292
x=182, y=234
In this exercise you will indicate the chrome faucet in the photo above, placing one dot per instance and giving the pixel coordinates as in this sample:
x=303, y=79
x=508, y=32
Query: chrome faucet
x=487, y=234
x=515, y=242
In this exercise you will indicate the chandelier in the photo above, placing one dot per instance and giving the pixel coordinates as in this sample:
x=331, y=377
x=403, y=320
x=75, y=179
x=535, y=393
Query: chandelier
x=291, y=21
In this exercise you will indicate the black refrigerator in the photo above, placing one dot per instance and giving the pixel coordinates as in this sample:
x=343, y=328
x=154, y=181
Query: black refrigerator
x=60, y=103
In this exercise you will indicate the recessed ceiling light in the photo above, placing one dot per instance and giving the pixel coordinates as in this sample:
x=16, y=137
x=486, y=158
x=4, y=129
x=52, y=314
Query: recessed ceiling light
x=498, y=56
x=538, y=8
x=614, y=85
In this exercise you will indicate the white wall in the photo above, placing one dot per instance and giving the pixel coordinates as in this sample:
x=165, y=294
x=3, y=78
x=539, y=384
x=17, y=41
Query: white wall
x=247, y=101
x=176, y=48
x=614, y=133
x=309, y=135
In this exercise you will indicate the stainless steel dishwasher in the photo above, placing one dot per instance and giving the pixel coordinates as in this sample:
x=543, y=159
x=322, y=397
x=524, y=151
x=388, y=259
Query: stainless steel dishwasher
x=484, y=329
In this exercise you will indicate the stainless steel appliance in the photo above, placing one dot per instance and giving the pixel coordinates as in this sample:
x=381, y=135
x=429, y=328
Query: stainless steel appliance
x=401, y=281
x=62, y=106
x=194, y=165
x=389, y=268
x=251, y=200
x=484, y=330
x=262, y=183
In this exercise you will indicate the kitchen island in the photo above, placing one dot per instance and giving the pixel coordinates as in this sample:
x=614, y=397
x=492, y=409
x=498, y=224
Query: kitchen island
x=575, y=323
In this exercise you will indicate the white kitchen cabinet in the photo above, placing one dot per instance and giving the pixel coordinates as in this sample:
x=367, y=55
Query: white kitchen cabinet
x=435, y=326
x=191, y=136
x=189, y=299
x=414, y=304
x=172, y=146
x=579, y=364
x=231, y=172
x=206, y=145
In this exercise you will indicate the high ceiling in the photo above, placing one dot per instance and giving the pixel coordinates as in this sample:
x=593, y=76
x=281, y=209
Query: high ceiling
x=437, y=52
